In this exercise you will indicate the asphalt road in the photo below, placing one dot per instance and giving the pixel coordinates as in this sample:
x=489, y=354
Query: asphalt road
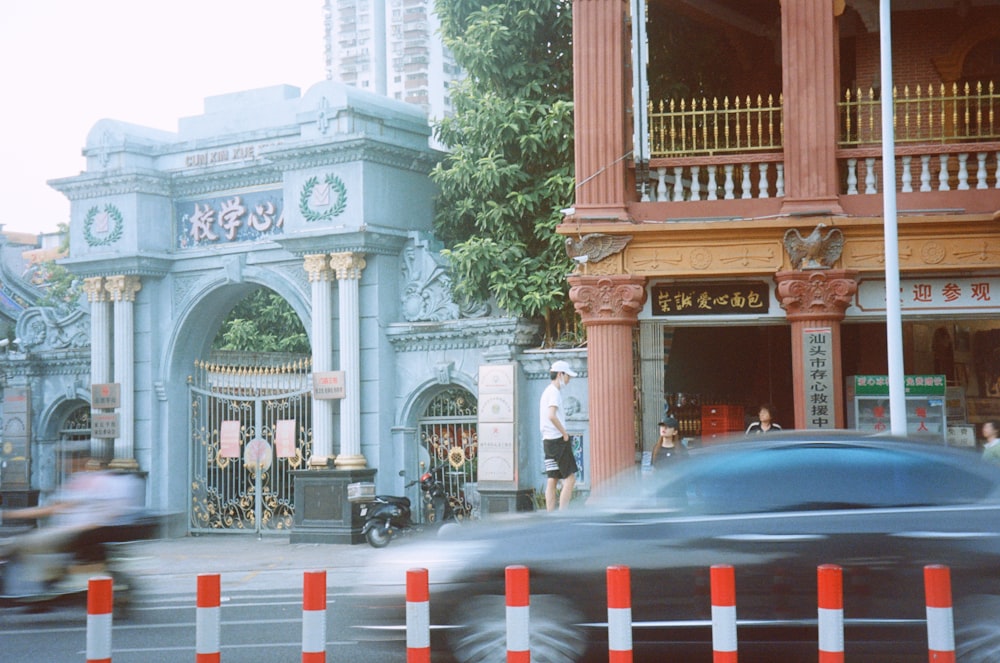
x=261, y=608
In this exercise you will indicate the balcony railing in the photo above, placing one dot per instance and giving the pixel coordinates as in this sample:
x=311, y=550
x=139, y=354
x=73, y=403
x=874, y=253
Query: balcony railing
x=930, y=114
x=702, y=127
x=723, y=149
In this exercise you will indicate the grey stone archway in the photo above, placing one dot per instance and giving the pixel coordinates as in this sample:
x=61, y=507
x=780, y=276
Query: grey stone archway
x=267, y=188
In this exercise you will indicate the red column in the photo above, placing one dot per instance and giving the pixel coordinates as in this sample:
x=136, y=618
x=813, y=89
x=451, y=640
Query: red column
x=599, y=102
x=816, y=299
x=809, y=82
x=609, y=306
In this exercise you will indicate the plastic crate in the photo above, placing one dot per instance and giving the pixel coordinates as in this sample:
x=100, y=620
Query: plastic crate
x=363, y=491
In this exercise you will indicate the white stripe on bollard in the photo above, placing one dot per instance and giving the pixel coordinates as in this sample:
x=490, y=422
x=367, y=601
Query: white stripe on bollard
x=206, y=632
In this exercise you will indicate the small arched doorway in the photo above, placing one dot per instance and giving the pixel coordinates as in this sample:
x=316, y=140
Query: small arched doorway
x=448, y=433
x=74, y=442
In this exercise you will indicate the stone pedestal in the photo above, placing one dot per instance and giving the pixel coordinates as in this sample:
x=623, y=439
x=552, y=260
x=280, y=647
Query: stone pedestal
x=493, y=502
x=323, y=513
x=18, y=499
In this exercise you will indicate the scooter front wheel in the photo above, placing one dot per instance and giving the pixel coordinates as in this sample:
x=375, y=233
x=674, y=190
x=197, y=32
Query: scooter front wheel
x=379, y=536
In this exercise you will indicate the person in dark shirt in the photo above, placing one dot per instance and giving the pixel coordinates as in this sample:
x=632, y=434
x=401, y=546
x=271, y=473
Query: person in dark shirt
x=668, y=448
x=765, y=422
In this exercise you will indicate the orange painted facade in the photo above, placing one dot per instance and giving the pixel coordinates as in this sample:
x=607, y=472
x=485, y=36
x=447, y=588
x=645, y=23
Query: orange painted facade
x=716, y=216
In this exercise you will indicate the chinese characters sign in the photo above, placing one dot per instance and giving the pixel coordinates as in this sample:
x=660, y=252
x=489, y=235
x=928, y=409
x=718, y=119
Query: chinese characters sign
x=919, y=294
x=929, y=385
x=817, y=364
x=329, y=385
x=710, y=299
x=238, y=218
x=925, y=404
x=105, y=396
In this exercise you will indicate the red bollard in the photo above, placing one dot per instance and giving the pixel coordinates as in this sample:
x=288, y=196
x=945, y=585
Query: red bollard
x=723, y=581
x=207, y=638
x=100, y=600
x=418, y=617
x=314, y=617
x=940, y=620
x=518, y=595
x=619, y=614
x=830, y=590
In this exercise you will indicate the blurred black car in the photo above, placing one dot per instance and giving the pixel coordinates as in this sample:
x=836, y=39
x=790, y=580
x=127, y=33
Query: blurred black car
x=774, y=508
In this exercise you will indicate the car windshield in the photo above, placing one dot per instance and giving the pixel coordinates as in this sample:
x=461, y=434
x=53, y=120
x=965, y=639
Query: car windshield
x=795, y=478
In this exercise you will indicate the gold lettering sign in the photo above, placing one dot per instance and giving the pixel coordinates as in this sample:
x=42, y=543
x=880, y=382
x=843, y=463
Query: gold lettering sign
x=743, y=298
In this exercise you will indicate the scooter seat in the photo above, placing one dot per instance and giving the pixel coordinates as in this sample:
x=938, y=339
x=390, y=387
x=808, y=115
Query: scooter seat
x=394, y=499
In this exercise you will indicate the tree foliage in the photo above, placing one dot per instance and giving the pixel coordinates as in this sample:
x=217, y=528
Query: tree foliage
x=262, y=322
x=61, y=288
x=510, y=167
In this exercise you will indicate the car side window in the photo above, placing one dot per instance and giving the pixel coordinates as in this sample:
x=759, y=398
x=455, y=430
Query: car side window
x=823, y=477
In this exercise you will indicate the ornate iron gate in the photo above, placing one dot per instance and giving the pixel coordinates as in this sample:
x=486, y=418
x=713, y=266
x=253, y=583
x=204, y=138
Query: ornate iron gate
x=449, y=433
x=250, y=427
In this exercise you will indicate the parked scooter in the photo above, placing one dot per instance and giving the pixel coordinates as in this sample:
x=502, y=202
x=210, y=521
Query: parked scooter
x=387, y=516
x=42, y=581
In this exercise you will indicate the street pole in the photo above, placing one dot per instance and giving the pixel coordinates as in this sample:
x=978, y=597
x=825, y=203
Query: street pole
x=893, y=312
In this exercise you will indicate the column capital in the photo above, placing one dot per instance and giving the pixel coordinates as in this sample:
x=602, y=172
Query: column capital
x=347, y=265
x=816, y=294
x=608, y=300
x=94, y=287
x=122, y=288
x=317, y=267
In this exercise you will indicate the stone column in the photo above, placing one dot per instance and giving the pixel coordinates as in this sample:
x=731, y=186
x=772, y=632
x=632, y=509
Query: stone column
x=809, y=85
x=609, y=306
x=348, y=267
x=816, y=300
x=122, y=290
x=321, y=280
x=100, y=349
x=599, y=102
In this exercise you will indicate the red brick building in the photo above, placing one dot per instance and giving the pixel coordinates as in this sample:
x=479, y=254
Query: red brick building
x=767, y=124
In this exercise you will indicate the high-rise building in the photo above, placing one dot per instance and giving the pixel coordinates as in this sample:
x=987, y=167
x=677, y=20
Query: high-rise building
x=390, y=47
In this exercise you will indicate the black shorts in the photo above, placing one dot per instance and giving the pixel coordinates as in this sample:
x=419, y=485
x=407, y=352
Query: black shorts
x=560, y=462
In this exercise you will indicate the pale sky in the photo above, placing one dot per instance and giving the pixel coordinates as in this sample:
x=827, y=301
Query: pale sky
x=65, y=64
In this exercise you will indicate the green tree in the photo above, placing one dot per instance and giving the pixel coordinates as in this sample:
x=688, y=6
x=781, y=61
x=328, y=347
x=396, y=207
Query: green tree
x=60, y=287
x=510, y=167
x=262, y=322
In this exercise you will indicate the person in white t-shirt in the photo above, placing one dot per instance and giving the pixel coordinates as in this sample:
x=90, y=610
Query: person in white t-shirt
x=560, y=463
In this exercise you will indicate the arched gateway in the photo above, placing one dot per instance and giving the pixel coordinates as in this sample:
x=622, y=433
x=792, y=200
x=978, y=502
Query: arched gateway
x=324, y=199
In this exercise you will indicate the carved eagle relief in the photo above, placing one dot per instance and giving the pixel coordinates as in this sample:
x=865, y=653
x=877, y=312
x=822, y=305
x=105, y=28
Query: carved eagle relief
x=817, y=250
x=595, y=247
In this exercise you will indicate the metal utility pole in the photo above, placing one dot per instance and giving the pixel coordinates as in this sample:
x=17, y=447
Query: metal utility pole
x=893, y=312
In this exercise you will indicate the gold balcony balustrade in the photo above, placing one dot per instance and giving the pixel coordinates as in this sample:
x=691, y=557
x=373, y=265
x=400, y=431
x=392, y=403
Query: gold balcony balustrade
x=709, y=127
x=942, y=113
x=922, y=114
x=947, y=137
